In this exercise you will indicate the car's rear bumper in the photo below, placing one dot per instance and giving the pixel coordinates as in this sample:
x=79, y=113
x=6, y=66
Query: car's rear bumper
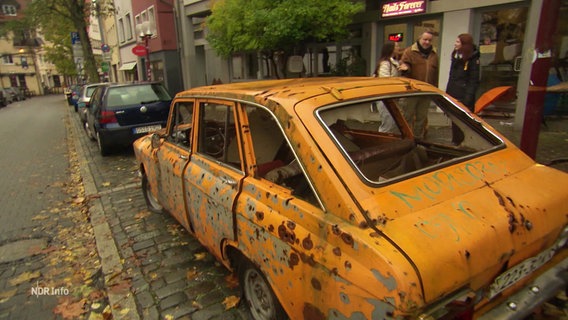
x=542, y=289
x=123, y=136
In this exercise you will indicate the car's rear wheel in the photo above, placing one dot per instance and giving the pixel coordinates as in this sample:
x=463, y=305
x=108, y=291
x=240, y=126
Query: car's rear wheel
x=151, y=201
x=103, y=148
x=258, y=295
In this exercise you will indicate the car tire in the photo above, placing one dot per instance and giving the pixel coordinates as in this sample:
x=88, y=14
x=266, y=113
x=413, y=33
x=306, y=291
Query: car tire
x=103, y=148
x=260, y=300
x=151, y=201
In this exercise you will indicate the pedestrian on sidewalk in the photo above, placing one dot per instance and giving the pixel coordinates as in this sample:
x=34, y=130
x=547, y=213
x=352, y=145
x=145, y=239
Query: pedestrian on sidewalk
x=464, y=77
x=420, y=62
x=387, y=66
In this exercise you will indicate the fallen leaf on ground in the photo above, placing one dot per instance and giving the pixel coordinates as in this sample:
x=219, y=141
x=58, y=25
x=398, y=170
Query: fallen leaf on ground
x=200, y=256
x=70, y=310
x=192, y=274
x=141, y=215
x=106, y=184
x=232, y=281
x=231, y=302
x=7, y=295
x=79, y=200
x=24, y=277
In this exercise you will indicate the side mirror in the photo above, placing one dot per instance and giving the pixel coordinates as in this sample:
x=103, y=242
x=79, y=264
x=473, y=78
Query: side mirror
x=156, y=140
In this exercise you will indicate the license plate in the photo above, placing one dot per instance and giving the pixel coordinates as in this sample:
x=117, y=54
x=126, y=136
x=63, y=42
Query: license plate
x=147, y=129
x=516, y=273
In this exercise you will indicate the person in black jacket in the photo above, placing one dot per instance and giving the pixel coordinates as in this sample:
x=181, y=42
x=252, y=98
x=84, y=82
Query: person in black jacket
x=464, y=77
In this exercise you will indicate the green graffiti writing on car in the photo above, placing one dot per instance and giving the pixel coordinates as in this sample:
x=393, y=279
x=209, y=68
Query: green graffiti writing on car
x=436, y=184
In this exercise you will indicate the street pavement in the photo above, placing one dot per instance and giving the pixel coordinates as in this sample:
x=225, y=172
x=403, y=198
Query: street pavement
x=49, y=267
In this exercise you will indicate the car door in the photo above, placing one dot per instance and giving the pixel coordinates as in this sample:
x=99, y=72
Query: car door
x=173, y=156
x=214, y=174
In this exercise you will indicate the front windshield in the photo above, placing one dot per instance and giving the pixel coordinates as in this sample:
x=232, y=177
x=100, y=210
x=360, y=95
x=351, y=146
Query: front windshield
x=378, y=141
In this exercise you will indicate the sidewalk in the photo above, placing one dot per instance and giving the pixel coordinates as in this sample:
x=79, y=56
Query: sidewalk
x=552, y=142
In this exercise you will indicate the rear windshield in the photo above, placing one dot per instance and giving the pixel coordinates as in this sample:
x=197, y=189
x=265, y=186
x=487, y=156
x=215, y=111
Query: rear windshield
x=136, y=95
x=376, y=135
x=89, y=91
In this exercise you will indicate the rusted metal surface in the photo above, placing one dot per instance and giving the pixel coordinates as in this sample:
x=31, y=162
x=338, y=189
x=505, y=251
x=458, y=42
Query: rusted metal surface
x=350, y=248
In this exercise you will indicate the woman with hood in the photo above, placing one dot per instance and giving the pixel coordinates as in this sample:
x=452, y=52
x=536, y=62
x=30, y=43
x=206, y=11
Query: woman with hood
x=464, y=76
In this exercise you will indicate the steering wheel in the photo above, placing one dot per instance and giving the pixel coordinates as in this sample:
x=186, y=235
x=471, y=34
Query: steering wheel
x=214, y=141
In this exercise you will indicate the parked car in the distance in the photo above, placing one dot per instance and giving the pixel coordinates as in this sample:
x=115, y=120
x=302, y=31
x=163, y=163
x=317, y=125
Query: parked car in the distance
x=118, y=114
x=82, y=98
x=7, y=96
x=17, y=93
x=326, y=216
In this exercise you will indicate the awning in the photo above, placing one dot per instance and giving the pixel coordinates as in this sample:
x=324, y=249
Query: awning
x=127, y=66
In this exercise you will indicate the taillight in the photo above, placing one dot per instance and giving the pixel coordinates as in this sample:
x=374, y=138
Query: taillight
x=107, y=117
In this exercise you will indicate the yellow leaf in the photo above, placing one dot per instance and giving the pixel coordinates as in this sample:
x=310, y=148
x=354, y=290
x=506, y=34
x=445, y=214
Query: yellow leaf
x=24, y=277
x=78, y=200
x=168, y=317
x=192, y=274
x=106, y=184
x=4, y=296
x=200, y=256
x=196, y=305
x=141, y=215
x=231, y=302
x=124, y=311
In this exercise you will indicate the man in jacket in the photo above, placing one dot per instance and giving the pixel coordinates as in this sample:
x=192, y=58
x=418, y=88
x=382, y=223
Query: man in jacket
x=420, y=62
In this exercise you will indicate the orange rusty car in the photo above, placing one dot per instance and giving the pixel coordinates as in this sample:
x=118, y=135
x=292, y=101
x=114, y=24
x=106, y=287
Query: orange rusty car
x=318, y=193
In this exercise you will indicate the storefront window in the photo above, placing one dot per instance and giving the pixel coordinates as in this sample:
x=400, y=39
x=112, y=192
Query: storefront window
x=501, y=42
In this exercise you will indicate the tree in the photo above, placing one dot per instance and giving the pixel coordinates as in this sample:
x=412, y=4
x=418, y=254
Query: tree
x=273, y=27
x=51, y=15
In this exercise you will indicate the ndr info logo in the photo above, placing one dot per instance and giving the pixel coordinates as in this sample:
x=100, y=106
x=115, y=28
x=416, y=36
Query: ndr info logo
x=49, y=291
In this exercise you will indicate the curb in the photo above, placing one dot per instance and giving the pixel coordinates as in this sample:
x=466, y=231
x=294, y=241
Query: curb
x=122, y=304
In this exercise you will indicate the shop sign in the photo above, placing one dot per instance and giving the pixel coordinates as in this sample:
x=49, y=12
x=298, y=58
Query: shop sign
x=139, y=50
x=396, y=37
x=402, y=8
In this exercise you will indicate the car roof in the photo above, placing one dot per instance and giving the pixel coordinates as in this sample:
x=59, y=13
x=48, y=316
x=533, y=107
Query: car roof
x=289, y=92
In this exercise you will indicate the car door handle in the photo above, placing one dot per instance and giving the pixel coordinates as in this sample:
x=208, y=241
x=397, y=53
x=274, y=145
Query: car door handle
x=228, y=181
x=183, y=157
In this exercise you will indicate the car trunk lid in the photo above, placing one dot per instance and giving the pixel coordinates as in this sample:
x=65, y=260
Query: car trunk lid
x=142, y=113
x=473, y=236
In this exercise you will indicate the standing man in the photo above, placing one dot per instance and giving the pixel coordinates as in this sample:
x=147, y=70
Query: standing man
x=420, y=62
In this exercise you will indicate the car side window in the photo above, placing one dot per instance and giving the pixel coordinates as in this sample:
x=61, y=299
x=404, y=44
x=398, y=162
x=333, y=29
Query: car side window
x=182, y=117
x=275, y=160
x=95, y=99
x=217, y=137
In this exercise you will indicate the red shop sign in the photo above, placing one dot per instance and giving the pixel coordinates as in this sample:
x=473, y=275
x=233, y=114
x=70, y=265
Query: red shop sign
x=402, y=8
x=139, y=50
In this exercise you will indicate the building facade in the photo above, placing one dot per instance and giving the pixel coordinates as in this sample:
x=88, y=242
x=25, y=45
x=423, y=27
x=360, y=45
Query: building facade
x=155, y=30
x=500, y=29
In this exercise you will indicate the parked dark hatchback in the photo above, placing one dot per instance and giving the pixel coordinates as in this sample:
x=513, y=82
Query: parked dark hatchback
x=118, y=114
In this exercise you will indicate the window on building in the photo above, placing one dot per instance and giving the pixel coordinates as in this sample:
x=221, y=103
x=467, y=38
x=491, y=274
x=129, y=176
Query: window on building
x=7, y=59
x=128, y=27
x=152, y=19
x=121, y=30
x=22, y=80
x=9, y=10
